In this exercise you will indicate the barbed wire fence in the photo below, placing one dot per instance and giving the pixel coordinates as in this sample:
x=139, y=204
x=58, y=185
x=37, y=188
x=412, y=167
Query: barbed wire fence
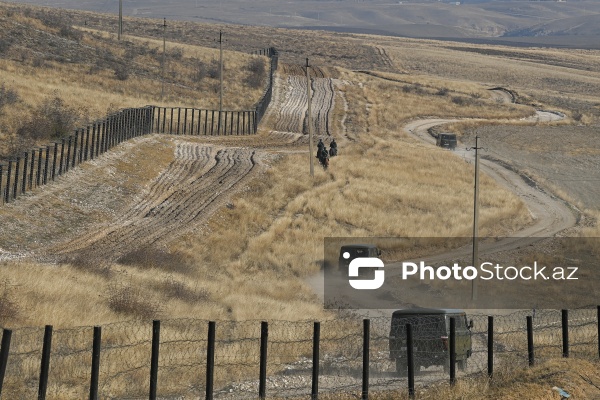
x=246, y=359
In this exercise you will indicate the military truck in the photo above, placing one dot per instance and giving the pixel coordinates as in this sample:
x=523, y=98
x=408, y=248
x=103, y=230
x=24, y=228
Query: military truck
x=431, y=333
x=446, y=140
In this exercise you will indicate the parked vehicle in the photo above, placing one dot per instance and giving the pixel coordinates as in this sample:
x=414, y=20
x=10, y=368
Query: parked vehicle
x=447, y=140
x=431, y=332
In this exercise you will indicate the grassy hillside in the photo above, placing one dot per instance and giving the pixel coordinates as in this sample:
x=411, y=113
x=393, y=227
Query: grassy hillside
x=49, y=66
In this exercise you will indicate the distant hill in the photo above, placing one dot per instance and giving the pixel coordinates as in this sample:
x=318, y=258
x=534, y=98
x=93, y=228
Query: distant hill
x=573, y=24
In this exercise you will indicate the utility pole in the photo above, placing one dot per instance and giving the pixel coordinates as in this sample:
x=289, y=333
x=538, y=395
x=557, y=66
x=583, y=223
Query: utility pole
x=475, y=218
x=220, y=80
x=164, y=59
x=221, y=71
x=309, y=121
x=120, y=20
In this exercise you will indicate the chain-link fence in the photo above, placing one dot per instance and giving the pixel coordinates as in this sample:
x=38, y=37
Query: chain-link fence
x=276, y=359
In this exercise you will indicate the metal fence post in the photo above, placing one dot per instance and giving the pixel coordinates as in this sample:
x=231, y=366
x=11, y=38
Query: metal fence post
x=16, y=181
x=62, y=156
x=31, y=169
x=96, y=348
x=39, y=167
x=210, y=360
x=8, y=172
x=598, y=327
x=410, y=360
x=530, y=354
x=25, y=165
x=264, y=340
x=452, y=346
x=45, y=365
x=154, y=360
x=4, y=350
x=46, y=164
x=565, y=333
x=315, y=361
x=365, y=360
x=68, y=153
x=1, y=192
x=490, y=345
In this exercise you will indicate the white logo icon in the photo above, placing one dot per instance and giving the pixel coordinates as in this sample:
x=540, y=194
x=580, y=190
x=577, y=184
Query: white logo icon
x=366, y=262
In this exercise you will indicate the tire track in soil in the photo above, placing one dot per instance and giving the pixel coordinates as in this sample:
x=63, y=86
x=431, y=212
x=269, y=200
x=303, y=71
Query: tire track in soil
x=291, y=113
x=197, y=183
x=385, y=58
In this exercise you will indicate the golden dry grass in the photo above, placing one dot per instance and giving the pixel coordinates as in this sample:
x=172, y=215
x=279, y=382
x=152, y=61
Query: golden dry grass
x=250, y=260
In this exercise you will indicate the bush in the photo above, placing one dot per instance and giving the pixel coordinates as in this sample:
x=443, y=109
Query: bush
x=121, y=72
x=257, y=75
x=123, y=298
x=200, y=71
x=7, y=97
x=53, y=119
x=174, y=289
x=9, y=309
x=149, y=257
x=443, y=92
x=70, y=33
x=213, y=70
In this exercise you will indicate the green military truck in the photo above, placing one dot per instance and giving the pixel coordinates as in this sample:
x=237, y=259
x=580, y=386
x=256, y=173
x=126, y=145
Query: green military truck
x=431, y=332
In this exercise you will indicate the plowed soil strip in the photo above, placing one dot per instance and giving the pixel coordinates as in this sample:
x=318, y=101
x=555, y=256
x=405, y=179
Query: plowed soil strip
x=198, y=182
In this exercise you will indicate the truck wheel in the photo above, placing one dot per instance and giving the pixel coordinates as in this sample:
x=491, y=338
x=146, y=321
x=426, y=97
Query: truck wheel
x=401, y=367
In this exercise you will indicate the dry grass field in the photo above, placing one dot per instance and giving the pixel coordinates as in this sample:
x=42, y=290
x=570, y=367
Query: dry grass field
x=248, y=257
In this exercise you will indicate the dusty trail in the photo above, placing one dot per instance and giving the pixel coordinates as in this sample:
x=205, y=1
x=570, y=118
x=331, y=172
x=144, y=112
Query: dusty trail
x=289, y=110
x=551, y=215
x=198, y=182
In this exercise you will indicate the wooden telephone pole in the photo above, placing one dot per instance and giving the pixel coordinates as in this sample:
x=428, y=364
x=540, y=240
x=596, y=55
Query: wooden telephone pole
x=164, y=59
x=120, y=32
x=475, y=219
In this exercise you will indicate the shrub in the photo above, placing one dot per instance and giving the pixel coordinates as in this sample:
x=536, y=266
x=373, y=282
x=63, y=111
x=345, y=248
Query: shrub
x=176, y=53
x=149, y=257
x=124, y=298
x=213, y=70
x=174, y=289
x=257, y=75
x=9, y=309
x=7, y=96
x=121, y=72
x=200, y=71
x=52, y=119
x=443, y=92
